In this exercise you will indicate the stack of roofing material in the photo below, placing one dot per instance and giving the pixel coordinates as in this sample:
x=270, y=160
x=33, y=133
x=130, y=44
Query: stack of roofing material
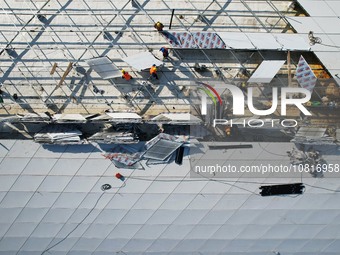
x=9, y=119
x=117, y=117
x=177, y=119
x=69, y=118
x=312, y=136
x=114, y=137
x=56, y=134
x=34, y=117
x=194, y=40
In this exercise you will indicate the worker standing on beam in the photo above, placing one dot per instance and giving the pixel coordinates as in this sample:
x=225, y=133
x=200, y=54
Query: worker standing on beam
x=153, y=72
x=165, y=52
x=126, y=75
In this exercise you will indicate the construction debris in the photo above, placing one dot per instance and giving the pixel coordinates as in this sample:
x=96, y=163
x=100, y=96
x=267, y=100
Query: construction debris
x=67, y=71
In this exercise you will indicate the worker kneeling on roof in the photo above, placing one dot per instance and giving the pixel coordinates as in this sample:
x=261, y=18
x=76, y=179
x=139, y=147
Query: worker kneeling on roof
x=126, y=75
x=159, y=26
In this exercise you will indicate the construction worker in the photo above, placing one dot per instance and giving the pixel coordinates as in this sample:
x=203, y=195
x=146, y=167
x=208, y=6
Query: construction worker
x=159, y=26
x=228, y=131
x=153, y=72
x=15, y=96
x=244, y=86
x=165, y=52
x=126, y=75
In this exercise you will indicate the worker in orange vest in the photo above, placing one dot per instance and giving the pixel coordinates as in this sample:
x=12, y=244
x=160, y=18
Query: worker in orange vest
x=126, y=75
x=153, y=72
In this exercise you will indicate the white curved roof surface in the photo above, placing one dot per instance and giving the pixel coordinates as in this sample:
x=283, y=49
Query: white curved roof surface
x=47, y=190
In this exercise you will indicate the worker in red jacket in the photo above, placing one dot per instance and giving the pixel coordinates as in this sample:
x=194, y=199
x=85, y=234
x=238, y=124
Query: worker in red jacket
x=126, y=75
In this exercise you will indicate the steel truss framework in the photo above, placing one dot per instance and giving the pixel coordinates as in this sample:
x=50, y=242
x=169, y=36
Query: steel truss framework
x=39, y=35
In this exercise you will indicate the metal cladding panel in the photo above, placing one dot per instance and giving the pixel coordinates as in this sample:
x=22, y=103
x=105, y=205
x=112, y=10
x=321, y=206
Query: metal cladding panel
x=104, y=67
x=162, y=149
x=293, y=41
x=266, y=71
x=331, y=61
x=236, y=40
x=142, y=61
x=304, y=24
x=264, y=41
x=322, y=25
x=317, y=8
x=330, y=25
x=335, y=6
